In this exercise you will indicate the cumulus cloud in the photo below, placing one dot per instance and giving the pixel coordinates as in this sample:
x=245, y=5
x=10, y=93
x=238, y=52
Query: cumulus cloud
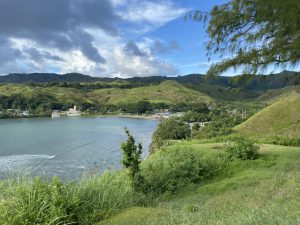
x=58, y=24
x=155, y=13
x=84, y=36
x=141, y=62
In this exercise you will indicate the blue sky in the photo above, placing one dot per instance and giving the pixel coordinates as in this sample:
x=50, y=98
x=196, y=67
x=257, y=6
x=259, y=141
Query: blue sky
x=111, y=38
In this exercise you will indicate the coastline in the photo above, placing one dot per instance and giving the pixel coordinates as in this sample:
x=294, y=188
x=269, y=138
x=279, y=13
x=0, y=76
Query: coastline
x=121, y=115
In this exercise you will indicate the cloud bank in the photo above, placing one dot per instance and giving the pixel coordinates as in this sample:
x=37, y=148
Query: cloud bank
x=85, y=36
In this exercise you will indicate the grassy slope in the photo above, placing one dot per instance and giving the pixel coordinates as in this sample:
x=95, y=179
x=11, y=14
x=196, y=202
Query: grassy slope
x=60, y=93
x=264, y=191
x=168, y=91
x=280, y=118
x=274, y=95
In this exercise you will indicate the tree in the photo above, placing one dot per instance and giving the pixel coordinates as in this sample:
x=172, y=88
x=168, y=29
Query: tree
x=258, y=33
x=132, y=155
x=170, y=129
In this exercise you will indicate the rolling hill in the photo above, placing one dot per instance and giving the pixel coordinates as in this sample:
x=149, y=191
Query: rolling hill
x=280, y=118
x=167, y=91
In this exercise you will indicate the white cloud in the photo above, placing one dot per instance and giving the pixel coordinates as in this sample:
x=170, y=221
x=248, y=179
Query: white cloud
x=149, y=14
x=141, y=66
x=28, y=54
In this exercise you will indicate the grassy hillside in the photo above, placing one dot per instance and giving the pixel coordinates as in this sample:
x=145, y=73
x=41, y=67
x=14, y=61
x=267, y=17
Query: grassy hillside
x=168, y=91
x=274, y=95
x=63, y=95
x=263, y=191
x=280, y=118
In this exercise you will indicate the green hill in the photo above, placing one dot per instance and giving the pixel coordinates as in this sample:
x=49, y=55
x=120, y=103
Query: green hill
x=167, y=91
x=274, y=95
x=280, y=118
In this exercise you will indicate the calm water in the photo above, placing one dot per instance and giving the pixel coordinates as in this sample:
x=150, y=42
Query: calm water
x=67, y=146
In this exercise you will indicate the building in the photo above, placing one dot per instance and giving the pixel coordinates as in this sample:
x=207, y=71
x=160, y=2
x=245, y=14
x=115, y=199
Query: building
x=55, y=114
x=201, y=124
x=24, y=113
x=73, y=112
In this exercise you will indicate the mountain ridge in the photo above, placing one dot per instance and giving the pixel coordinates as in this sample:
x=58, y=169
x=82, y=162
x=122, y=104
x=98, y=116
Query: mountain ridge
x=247, y=82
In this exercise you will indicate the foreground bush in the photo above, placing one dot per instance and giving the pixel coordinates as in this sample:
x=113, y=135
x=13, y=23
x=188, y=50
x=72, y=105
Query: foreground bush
x=242, y=148
x=25, y=201
x=172, y=169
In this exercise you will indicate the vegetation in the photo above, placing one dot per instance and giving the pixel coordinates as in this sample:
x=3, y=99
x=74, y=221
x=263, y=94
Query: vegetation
x=258, y=34
x=170, y=129
x=280, y=118
x=132, y=155
x=25, y=201
x=243, y=149
x=261, y=191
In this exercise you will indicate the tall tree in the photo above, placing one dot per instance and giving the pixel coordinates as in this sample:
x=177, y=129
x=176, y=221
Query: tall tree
x=253, y=34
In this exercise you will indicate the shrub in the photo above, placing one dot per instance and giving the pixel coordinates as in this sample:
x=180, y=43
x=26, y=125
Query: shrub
x=242, y=148
x=282, y=140
x=170, y=129
x=169, y=170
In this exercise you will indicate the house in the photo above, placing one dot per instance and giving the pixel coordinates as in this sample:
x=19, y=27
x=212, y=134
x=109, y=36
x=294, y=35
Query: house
x=201, y=124
x=24, y=113
x=55, y=114
x=73, y=112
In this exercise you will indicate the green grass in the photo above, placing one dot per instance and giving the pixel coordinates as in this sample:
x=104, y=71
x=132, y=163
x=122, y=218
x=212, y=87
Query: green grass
x=168, y=92
x=274, y=95
x=263, y=191
x=280, y=118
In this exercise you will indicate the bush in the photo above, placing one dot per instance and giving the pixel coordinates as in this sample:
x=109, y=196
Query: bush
x=170, y=129
x=169, y=170
x=243, y=149
x=281, y=140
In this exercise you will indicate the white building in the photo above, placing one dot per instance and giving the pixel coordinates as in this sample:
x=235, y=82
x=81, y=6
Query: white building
x=25, y=113
x=73, y=112
x=55, y=114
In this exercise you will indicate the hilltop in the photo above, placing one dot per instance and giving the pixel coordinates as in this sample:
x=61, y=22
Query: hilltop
x=280, y=118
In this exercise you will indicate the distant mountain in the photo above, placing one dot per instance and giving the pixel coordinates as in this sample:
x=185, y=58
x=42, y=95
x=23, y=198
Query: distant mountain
x=194, y=81
x=46, y=77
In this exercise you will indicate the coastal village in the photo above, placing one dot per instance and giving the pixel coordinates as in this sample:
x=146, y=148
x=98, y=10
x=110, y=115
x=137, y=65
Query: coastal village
x=74, y=112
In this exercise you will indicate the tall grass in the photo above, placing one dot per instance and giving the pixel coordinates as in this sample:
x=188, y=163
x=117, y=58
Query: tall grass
x=34, y=201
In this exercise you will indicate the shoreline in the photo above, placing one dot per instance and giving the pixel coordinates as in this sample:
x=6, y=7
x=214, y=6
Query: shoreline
x=130, y=116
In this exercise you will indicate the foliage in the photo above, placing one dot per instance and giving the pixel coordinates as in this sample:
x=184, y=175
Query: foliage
x=234, y=196
x=242, y=148
x=91, y=199
x=258, y=33
x=222, y=123
x=171, y=169
x=281, y=140
x=132, y=155
x=170, y=129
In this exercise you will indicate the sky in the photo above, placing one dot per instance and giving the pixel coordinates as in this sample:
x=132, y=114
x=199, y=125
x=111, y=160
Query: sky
x=103, y=38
